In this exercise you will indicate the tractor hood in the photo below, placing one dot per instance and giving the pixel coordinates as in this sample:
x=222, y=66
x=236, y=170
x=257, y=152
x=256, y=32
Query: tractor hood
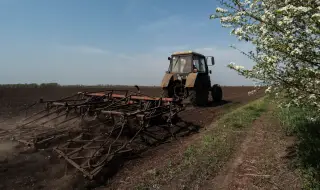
x=179, y=76
x=188, y=77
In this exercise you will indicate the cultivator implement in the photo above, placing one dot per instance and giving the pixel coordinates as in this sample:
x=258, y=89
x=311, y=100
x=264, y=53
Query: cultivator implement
x=105, y=125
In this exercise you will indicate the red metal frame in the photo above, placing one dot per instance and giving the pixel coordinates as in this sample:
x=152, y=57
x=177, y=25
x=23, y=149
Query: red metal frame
x=133, y=97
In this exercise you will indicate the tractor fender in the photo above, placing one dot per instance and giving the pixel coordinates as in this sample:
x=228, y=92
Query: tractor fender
x=191, y=79
x=166, y=80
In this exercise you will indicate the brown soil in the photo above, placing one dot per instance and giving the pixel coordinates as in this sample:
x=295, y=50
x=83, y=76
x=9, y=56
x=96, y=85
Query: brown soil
x=25, y=169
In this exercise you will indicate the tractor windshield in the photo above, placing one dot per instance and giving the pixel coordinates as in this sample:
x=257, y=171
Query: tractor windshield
x=180, y=64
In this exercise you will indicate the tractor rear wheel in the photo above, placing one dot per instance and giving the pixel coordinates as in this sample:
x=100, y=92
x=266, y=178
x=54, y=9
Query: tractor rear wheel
x=216, y=93
x=199, y=97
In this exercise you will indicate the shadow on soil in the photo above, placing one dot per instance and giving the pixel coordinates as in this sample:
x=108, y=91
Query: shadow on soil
x=110, y=169
x=217, y=104
x=27, y=171
x=182, y=129
x=41, y=169
x=211, y=104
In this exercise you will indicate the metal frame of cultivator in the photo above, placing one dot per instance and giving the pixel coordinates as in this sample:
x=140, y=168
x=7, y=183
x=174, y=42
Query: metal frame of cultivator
x=110, y=124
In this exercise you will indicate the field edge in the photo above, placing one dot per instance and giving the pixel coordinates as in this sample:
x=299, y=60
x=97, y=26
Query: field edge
x=302, y=124
x=203, y=159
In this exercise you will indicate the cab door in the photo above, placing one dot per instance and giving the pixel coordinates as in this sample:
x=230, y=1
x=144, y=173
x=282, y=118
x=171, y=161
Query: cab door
x=199, y=63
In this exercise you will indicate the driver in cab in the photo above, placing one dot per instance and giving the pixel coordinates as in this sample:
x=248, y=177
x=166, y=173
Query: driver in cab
x=194, y=67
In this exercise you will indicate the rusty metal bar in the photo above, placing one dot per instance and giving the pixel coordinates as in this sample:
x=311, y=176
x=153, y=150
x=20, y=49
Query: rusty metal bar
x=46, y=115
x=64, y=114
x=116, y=114
x=67, y=120
x=35, y=114
x=133, y=97
x=73, y=163
x=61, y=99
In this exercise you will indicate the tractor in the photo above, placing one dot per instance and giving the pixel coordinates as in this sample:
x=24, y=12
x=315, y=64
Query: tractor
x=188, y=79
x=94, y=128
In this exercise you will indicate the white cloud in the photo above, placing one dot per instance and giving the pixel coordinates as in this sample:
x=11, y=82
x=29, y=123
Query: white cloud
x=82, y=49
x=92, y=65
x=173, y=24
x=124, y=56
x=162, y=24
x=170, y=49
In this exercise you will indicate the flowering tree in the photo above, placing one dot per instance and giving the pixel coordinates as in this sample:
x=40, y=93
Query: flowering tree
x=287, y=42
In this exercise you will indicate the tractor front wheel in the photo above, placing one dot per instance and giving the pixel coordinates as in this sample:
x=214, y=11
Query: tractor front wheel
x=168, y=92
x=216, y=93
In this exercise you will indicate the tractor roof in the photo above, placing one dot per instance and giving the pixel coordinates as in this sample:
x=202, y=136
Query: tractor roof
x=186, y=52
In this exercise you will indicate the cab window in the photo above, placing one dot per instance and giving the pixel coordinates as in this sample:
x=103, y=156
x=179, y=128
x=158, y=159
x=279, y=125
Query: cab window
x=203, y=64
x=199, y=64
x=180, y=64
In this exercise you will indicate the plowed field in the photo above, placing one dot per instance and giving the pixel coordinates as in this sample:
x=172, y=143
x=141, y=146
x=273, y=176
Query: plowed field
x=42, y=170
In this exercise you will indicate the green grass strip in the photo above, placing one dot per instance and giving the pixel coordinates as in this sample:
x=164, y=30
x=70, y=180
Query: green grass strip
x=206, y=157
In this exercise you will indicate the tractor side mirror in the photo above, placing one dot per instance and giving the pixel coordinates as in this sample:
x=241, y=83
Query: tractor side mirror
x=169, y=58
x=212, y=60
x=210, y=71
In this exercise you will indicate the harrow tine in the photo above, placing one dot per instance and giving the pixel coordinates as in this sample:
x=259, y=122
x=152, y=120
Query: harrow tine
x=23, y=109
x=109, y=149
x=46, y=115
x=82, y=147
x=117, y=115
x=33, y=115
x=54, y=118
x=64, y=99
x=66, y=120
x=73, y=163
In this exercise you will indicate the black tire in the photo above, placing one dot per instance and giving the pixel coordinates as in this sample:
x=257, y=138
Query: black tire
x=216, y=93
x=165, y=93
x=168, y=92
x=199, y=97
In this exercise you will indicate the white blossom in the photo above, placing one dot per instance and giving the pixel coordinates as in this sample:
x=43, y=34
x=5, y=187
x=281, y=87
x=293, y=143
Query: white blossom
x=312, y=119
x=239, y=31
x=287, y=20
x=316, y=16
x=296, y=51
x=303, y=9
x=238, y=67
x=252, y=92
x=268, y=89
x=286, y=33
x=221, y=10
x=226, y=19
x=234, y=66
x=312, y=96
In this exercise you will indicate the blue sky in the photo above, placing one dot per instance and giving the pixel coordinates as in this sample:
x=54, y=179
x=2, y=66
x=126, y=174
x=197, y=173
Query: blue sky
x=110, y=41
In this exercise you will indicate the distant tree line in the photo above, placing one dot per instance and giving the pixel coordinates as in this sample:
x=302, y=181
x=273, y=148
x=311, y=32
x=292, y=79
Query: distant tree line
x=30, y=85
x=51, y=85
